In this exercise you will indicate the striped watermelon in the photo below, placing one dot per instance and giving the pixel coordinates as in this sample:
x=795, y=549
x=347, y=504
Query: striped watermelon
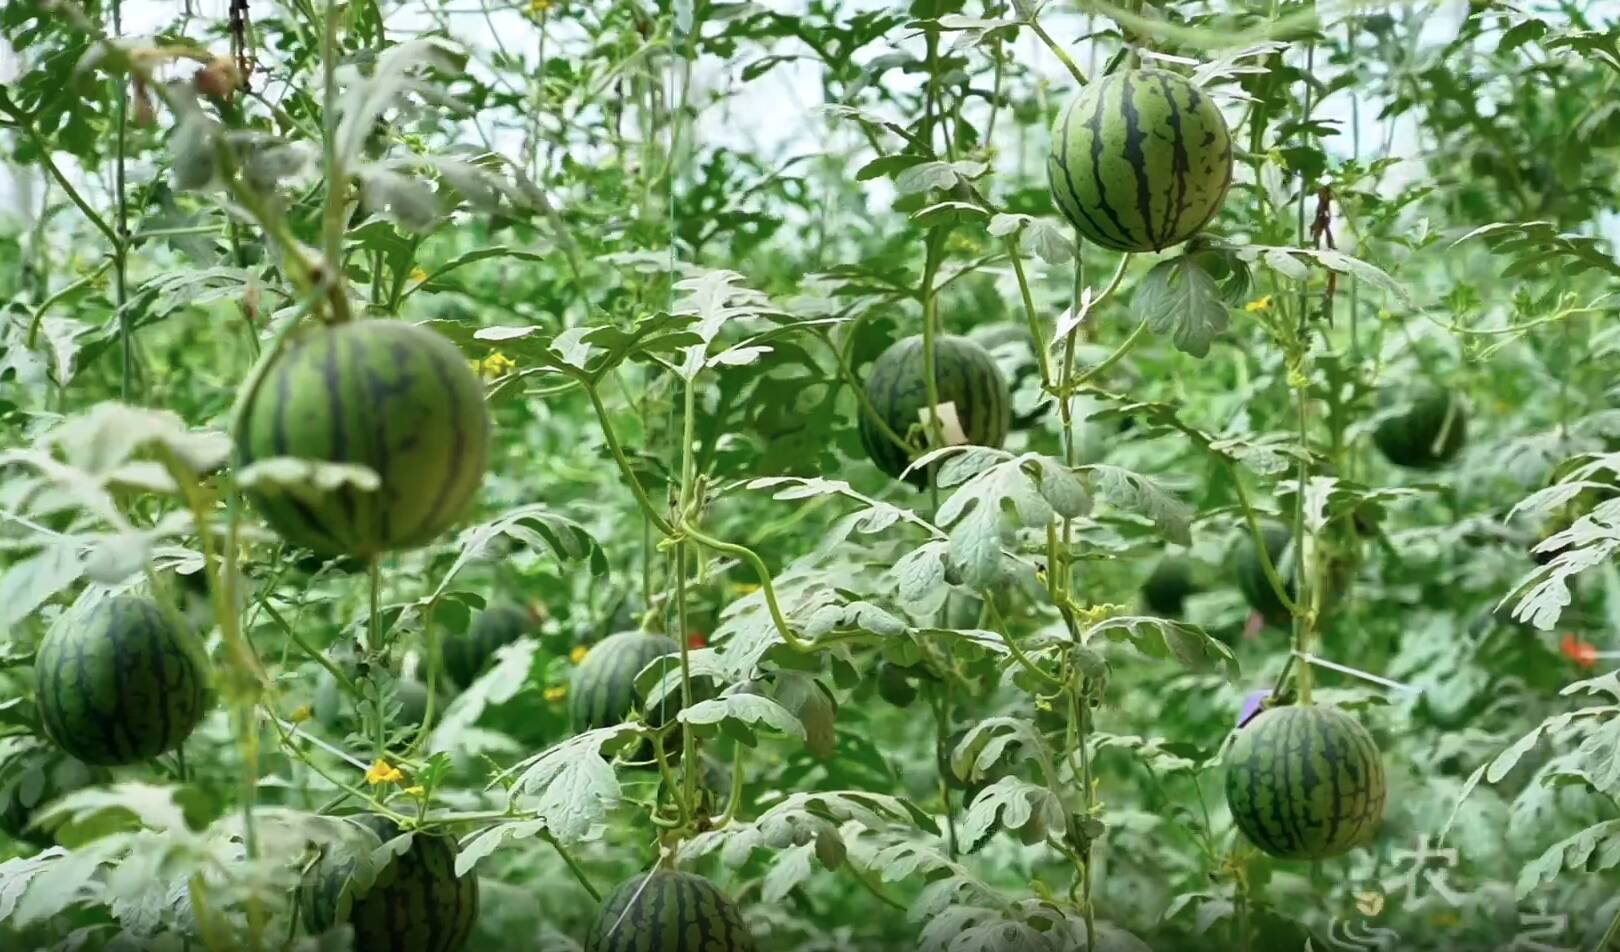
x=383, y=394
x=1140, y=160
x=603, y=690
x=123, y=685
x=1305, y=782
x=668, y=911
x=32, y=775
x=967, y=382
x=465, y=657
x=1428, y=434
x=417, y=903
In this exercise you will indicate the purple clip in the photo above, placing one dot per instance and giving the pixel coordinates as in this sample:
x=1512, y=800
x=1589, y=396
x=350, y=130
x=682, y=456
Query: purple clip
x=1251, y=706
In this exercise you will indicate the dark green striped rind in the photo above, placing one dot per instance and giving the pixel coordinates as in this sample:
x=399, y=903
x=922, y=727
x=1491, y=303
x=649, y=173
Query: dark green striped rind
x=385, y=394
x=1427, y=435
x=1140, y=160
x=465, y=657
x=668, y=911
x=1251, y=574
x=33, y=779
x=416, y=903
x=603, y=690
x=965, y=376
x=122, y=685
x=1305, y=782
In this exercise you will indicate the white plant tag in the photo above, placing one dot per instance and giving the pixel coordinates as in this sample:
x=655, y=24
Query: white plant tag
x=950, y=427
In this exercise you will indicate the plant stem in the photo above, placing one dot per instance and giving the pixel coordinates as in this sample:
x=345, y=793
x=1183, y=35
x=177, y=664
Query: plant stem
x=572, y=864
x=337, y=182
x=1058, y=51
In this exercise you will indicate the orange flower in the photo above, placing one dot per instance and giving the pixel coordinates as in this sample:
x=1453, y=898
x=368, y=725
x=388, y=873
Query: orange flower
x=1578, y=651
x=696, y=639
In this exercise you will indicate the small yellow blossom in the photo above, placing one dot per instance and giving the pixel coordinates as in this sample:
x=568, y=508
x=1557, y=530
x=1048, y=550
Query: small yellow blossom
x=383, y=772
x=419, y=276
x=745, y=588
x=495, y=366
x=539, y=7
x=1258, y=305
x=1370, y=903
x=578, y=654
x=555, y=694
x=415, y=791
x=301, y=715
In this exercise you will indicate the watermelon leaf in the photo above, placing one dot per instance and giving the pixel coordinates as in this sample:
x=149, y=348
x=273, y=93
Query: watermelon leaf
x=1020, y=806
x=1180, y=298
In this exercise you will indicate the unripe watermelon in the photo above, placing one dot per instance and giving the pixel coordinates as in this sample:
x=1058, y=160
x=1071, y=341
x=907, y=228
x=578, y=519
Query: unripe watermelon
x=1166, y=589
x=1140, y=160
x=603, y=690
x=1251, y=574
x=1305, y=782
x=466, y=657
x=123, y=685
x=31, y=777
x=967, y=382
x=415, y=904
x=668, y=911
x=385, y=394
x=1428, y=434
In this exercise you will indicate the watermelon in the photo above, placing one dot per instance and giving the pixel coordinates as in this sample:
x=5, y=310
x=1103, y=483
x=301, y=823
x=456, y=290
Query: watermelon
x=969, y=386
x=1305, y=782
x=384, y=394
x=1140, y=160
x=416, y=903
x=1251, y=574
x=123, y=684
x=32, y=775
x=1166, y=589
x=668, y=911
x=895, y=685
x=466, y=657
x=1427, y=434
x=603, y=691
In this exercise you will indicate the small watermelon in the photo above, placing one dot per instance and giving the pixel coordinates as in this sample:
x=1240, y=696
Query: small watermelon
x=465, y=657
x=1165, y=591
x=1305, y=782
x=603, y=691
x=123, y=685
x=391, y=396
x=975, y=405
x=32, y=775
x=416, y=903
x=1140, y=160
x=1251, y=574
x=1428, y=434
x=668, y=911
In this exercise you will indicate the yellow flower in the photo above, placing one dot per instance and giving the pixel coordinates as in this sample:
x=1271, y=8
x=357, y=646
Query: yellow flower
x=1370, y=903
x=383, y=772
x=1258, y=305
x=578, y=654
x=301, y=715
x=538, y=7
x=414, y=791
x=745, y=588
x=495, y=366
x=418, y=275
x=555, y=694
